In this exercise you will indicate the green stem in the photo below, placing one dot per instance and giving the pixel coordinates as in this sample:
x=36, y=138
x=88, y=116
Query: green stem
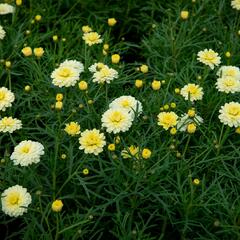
x=186, y=146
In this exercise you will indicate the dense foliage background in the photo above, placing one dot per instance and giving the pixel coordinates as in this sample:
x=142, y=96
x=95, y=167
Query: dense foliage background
x=158, y=200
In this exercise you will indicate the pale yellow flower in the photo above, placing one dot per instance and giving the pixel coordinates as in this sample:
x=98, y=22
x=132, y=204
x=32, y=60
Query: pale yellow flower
x=6, y=98
x=167, y=119
x=192, y=92
x=27, y=153
x=235, y=4
x=92, y=141
x=116, y=120
x=209, y=57
x=15, y=201
x=92, y=38
x=230, y=114
x=72, y=128
x=9, y=124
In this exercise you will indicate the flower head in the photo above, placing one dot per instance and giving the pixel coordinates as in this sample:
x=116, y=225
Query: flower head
x=6, y=98
x=116, y=120
x=92, y=141
x=9, y=124
x=230, y=114
x=209, y=57
x=129, y=103
x=192, y=92
x=228, y=84
x=27, y=51
x=2, y=33
x=72, y=128
x=15, y=201
x=92, y=38
x=67, y=74
x=167, y=119
x=229, y=71
x=57, y=205
x=6, y=8
x=112, y=22
x=27, y=153
x=102, y=73
x=235, y=4
x=38, y=52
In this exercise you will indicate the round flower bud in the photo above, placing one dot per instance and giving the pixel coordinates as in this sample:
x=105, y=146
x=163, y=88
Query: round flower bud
x=38, y=18
x=138, y=83
x=156, y=85
x=184, y=15
x=59, y=97
x=38, y=52
x=57, y=206
x=111, y=147
x=144, y=68
x=83, y=85
x=115, y=58
x=112, y=22
x=191, y=128
x=27, y=88
x=58, y=105
x=27, y=51
x=146, y=153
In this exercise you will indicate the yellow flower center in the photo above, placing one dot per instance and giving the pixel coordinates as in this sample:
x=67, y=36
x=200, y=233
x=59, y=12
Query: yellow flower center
x=92, y=37
x=2, y=95
x=125, y=103
x=229, y=83
x=13, y=199
x=25, y=149
x=7, y=122
x=116, y=117
x=93, y=140
x=64, y=72
x=209, y=56
x=231, y=72
x=234, y=111
x=192, y=89
x=104, y=72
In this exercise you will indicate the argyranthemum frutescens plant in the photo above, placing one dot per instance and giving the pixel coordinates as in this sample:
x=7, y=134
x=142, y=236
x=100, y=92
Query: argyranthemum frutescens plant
x=93, y=146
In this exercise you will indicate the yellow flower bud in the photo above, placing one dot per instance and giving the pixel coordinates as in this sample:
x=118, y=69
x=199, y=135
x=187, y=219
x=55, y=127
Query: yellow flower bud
x=196, y=181
x=237, y=130
x=83, y=85
x=18, y=2
x=106, y=47
x=156, y=85
x=63, y=156
x=166, y=107
x=173, y=131
x=27, y=51
x=38, y=52
x=138, y=83
x=27, y=88
x=59, y=97
x=86, y=29
x=38, y=18
x=228, y=54
x=146, y=153
x=104, y=52
x=58, y=105
x=177, y=90
x=8, y=64
x=191, y=128
x=90, y=101
x=173, y=105
x=184, y=15
x=55, y=38
x=115, y=58
x=112, y=22
x=111, y=147
x=85, y=171
x=57, y=206
x=144, y=68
